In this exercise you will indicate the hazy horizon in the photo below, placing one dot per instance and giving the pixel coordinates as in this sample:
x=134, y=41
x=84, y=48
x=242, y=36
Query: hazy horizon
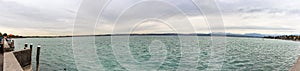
x=60, y=17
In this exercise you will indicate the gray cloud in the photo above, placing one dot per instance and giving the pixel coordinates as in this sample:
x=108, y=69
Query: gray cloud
x=57, y=16
x=116, y=7
x=23, y=16
x=259, y=28
x=259, y=6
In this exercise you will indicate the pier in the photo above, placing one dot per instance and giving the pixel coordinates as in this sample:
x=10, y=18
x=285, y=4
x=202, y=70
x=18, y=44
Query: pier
x=20, y=60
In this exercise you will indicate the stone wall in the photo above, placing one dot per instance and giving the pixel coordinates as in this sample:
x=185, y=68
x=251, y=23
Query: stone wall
x=23, y=57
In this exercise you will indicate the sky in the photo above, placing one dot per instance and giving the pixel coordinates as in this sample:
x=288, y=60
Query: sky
x=67, y=17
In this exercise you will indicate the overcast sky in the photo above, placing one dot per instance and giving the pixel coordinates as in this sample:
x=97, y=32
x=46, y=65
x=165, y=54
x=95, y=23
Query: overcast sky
x=57, y=17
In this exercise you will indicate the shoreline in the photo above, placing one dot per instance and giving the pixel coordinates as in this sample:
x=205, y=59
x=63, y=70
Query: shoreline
x=285, y=37
x=165, y=34
x=122, y=35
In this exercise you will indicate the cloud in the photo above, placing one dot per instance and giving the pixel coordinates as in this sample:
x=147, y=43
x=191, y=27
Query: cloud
x=56, y=17
x=249, y=15
x=259, y=28
x=16, y=14
x=132, y=11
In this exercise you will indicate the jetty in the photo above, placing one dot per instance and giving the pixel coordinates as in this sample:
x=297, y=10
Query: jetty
x=20, y=60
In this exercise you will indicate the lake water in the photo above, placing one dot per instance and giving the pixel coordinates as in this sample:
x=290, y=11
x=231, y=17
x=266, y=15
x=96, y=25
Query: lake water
x=166, y=53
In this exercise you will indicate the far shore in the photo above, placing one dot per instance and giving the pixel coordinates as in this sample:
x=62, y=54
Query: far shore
x=152, y=34
x=285, y=37
x=282, y=37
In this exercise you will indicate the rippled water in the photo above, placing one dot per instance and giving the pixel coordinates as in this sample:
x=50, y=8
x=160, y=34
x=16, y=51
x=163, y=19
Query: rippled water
x=240, y=53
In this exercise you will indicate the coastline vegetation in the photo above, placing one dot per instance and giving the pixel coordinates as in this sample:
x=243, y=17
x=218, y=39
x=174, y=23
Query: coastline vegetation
x=13, y=36
x=285, y=37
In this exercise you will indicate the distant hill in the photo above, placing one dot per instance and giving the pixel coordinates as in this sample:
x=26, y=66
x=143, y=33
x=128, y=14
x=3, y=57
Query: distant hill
x=254, y=35
x=244, y=35
x=160, y=34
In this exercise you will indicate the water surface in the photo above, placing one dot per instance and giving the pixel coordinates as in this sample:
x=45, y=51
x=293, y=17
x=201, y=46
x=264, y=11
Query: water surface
x=240, y=53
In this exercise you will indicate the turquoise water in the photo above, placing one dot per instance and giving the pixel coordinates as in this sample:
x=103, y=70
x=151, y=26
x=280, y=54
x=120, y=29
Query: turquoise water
x=240, y=53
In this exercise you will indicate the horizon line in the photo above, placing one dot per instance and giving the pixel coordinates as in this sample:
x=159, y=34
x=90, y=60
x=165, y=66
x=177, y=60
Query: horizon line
x=112, y=34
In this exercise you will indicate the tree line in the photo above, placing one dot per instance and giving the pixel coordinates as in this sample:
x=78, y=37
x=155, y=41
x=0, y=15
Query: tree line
x=285, y=37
